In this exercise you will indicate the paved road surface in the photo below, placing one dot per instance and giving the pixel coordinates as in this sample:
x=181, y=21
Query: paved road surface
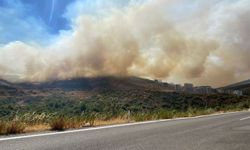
x=222, y=132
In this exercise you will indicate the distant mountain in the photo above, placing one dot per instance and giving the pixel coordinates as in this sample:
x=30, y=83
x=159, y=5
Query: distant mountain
x=9, y=89
x=98, y=83
x=6, y=85
x=243, y=85
x=79, y=87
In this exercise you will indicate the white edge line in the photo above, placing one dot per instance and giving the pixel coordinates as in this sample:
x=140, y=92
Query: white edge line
x=111, y=126
x=242, y=119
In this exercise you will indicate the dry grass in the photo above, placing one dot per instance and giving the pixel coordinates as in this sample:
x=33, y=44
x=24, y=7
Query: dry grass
x=14, y=127
x=62, y=123
x=119, y=120
x=58, y=124
x=11, y=127
x=2, y=128
x=74, y=123
x=37, y=127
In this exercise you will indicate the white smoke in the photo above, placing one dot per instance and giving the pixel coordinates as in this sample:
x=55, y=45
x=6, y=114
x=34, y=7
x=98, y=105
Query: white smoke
x=208, y=44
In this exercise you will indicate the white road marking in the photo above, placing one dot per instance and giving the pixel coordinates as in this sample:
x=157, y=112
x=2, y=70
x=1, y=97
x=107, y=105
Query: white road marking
x=244, y=118
x=107, y=127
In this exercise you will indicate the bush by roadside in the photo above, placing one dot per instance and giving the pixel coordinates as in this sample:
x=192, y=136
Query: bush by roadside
x=11, y=127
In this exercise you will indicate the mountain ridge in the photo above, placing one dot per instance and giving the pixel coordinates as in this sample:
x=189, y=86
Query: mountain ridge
x=92, y=84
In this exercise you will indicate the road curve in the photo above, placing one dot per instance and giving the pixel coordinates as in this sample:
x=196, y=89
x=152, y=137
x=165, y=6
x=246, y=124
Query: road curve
x=221, y=132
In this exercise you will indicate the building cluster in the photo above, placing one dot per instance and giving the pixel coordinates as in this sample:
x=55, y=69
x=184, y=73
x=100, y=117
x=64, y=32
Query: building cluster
x=190, y=88
x=234, y=92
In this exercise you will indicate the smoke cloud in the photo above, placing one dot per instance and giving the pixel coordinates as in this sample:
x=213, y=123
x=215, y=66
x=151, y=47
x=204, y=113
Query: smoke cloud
x=207, y=43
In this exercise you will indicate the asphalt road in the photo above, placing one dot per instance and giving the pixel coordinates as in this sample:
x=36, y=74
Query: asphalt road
x=222, y=132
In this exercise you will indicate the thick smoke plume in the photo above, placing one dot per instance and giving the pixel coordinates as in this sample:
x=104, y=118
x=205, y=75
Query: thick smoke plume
x=156, y=39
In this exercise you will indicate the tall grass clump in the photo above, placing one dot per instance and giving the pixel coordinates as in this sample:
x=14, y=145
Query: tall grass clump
x=2, y=128
x=34, y=118
x=14, y=127
x=144, y=116
x=90, y=119
x=165, y=114
x=11, y=127
x=58, y=124
x=75, y=122
x=63, y=123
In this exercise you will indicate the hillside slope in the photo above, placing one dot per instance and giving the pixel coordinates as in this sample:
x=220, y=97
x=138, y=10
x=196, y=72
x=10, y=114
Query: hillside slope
x=243, y=85
x=77, y=88
x=98, y=83
x=9, y=89
x=109, y=97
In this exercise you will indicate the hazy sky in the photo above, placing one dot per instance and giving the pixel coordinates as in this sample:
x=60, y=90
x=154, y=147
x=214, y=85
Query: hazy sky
x=205, y=42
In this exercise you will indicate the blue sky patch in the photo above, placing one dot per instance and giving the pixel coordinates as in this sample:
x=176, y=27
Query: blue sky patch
x=40, y=20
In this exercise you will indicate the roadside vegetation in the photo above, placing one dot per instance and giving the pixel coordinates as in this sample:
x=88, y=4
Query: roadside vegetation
x=109, y=107
x=11, y=127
